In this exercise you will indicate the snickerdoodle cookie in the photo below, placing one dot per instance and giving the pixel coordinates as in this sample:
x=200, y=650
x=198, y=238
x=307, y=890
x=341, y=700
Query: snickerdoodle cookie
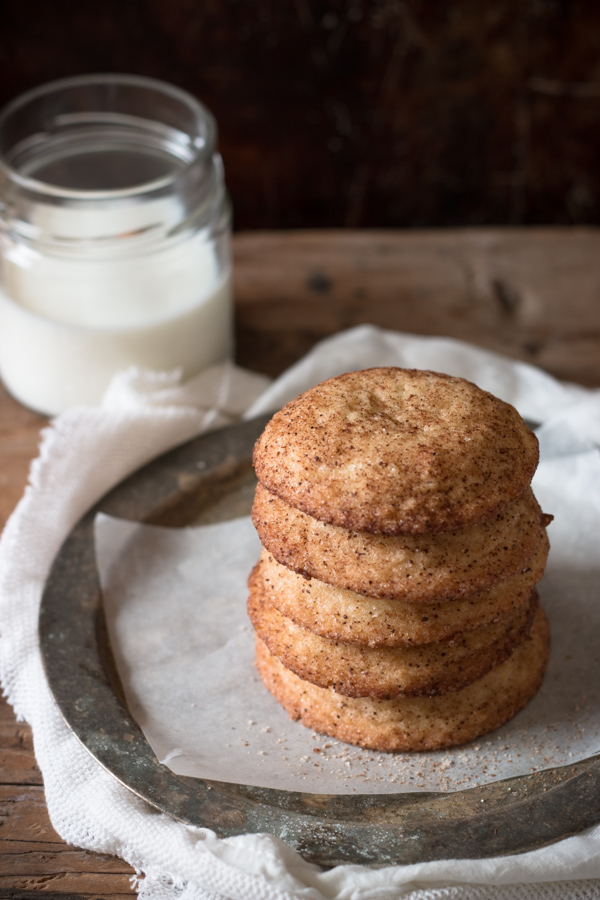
x=419, y=723
x=397, y=451
x=394, y=598
x=421, y=568
x=357, y=670
x=344, y=615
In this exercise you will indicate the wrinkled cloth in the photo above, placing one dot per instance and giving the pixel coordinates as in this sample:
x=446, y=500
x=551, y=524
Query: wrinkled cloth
x=84, y=453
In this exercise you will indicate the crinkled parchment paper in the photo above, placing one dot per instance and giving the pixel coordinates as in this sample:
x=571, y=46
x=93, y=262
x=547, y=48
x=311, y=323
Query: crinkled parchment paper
x=175, y=603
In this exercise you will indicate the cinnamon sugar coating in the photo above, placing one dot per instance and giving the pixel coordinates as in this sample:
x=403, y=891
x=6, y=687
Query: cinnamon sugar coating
x=416, y=568
x=344, y=615
x=418, y=723
x=386, y=672
x=397, y=451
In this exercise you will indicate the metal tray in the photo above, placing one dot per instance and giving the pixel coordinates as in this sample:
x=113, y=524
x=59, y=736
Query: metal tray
x=211, y=479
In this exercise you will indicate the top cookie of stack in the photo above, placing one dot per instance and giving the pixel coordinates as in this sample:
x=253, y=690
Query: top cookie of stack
x=394, y=599
x=397, y=451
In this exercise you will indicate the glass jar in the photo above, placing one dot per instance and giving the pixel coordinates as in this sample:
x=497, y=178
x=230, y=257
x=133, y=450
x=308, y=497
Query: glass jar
x=114, y=238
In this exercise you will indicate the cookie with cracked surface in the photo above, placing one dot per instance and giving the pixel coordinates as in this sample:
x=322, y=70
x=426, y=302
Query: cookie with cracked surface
x=358, y=670
x=397, y=451
x=344, y=615
x=421, y=568
x=418, y=723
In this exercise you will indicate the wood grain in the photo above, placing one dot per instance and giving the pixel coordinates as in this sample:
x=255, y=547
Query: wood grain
x=32, y=856
x=373, y=113
x=531, y=294
x=19, y=438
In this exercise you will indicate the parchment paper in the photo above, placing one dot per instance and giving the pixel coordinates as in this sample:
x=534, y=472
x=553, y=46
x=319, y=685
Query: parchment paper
x=175, y=602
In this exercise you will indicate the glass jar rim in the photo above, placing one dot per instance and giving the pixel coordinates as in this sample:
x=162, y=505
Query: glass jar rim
x=203, y=146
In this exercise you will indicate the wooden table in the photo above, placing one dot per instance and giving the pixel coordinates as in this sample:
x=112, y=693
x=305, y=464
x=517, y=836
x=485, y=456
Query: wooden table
x=531, y=294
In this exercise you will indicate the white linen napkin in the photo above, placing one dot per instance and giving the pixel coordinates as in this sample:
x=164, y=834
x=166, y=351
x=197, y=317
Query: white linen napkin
x=88, y=450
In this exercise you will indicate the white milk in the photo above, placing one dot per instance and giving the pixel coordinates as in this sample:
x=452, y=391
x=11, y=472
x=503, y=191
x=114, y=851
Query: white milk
x=66, y=325
x=114, y=238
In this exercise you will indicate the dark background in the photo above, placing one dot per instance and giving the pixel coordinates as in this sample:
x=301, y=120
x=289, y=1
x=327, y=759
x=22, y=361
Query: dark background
x=379, y=113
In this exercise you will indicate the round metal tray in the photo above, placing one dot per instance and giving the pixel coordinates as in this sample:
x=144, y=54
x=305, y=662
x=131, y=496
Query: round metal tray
x=211, y=479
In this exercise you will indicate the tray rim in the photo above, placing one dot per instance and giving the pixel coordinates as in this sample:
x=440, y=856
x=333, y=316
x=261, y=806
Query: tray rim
x=511, y=816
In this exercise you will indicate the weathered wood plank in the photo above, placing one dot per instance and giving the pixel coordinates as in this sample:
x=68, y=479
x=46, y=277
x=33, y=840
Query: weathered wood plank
x=17, y=759
x=19, y=438
x=68, y=883
x=28, y=862
x=34, y=857
x=530, y=294
x=17, y=893
x=17, y=763
x=24, y=817
x=388, y=113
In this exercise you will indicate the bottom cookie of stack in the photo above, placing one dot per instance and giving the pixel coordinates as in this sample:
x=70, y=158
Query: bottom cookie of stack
x=415, y=723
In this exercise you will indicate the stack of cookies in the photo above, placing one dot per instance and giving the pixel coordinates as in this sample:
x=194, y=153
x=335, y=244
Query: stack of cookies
x=394, y=602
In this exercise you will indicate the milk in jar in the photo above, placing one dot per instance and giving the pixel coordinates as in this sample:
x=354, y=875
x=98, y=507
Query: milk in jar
x=115, y=238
